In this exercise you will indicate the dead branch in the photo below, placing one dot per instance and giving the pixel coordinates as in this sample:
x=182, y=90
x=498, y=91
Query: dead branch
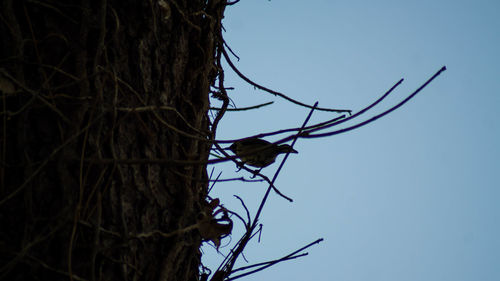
x=235, y=69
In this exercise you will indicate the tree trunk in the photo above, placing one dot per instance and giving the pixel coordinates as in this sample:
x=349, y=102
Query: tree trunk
x=90, y=91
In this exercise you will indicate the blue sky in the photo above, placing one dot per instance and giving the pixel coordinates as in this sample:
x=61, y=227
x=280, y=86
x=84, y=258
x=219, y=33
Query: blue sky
x=413, y=196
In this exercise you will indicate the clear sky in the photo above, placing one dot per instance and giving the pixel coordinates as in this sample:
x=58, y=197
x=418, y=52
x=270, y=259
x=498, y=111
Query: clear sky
x=413, y=196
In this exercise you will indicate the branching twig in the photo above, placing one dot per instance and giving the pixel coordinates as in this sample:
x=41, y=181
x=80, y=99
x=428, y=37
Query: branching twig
x=263, y=263
x=246, y=209
x=225, y=268
x=214, y=181
x=320, y=126
x=228, y=264
x=271, y=263
x=308, y=135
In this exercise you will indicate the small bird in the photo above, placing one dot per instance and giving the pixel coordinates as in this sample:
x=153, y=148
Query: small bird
x=258, y=152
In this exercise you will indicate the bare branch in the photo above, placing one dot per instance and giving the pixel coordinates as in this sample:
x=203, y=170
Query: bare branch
x=245, y=207
x=228, y=264
x=271, y=263
x=308, y=135
x=244, y=108
x=226, y=56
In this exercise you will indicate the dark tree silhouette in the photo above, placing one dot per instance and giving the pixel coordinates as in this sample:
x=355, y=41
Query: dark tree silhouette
x=85, y=81
x=106, y=136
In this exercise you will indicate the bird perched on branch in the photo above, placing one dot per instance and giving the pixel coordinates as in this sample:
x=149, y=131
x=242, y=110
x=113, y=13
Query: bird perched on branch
x=258, y=152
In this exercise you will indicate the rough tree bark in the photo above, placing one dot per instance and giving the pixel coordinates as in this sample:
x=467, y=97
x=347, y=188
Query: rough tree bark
x=87, y=86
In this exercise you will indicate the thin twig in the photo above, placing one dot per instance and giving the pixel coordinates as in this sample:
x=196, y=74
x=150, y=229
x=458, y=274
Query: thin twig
x=263, y=202
x=214, y=181
x=228, y=265
x=357, y=114
x=329, y=123
x=246, y=209
x=239, y=179
x=228, y=60
x=244, y=108
x=288, y=257
x=307, y=135
x=264, y=263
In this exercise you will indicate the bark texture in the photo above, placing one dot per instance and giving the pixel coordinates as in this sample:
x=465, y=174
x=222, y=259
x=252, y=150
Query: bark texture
x=85, y=87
